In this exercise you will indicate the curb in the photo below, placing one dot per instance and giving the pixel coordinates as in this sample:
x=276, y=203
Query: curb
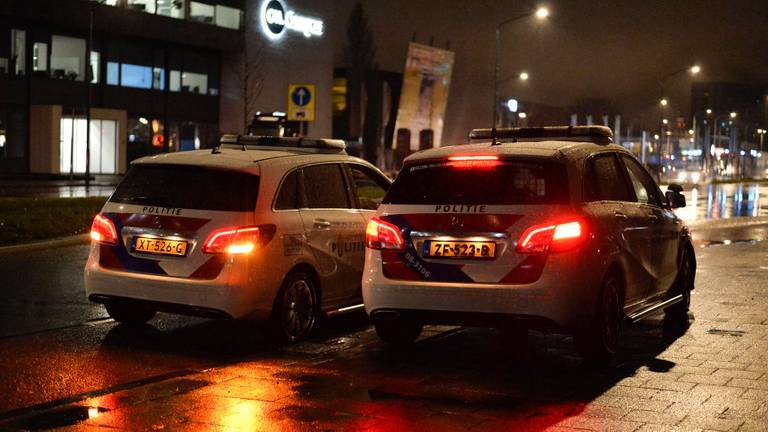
x=46, y=244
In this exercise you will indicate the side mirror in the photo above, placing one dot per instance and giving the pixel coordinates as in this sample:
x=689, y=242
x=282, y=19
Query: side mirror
x=675, y=196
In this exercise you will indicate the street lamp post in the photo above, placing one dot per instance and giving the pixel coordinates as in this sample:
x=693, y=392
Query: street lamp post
x=540, y=13
x=663, y=102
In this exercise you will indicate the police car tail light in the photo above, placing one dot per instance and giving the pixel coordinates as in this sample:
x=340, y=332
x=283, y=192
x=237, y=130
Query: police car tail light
x=555, y=237
x=103, y=230
x=237, y=240
x=383, y=235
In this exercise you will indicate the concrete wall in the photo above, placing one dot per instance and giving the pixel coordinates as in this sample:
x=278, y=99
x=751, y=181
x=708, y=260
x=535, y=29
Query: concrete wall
x=292, y=59
x=45, y=136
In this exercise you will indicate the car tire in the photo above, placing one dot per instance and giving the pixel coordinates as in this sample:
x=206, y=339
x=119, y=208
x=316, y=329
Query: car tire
x=683, y=285
x=398, y=332
x=295, y=311
x=599, y=340
x=129, y=314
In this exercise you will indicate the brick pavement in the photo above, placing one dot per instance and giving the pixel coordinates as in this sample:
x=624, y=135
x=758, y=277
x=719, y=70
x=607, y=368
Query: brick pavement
x=712, y=377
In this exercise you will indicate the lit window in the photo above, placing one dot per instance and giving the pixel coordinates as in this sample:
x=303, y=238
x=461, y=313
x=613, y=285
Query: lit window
x=113, y=73
x=67, y=58
x=158, y=78
x=135, y=76
x=142, y=5
x=201, y=12
x=175, y=84
x=228, y=17
x=171, y=8
x=194, y=83
x=95, y=56
x=39, y=56
x=18, y=51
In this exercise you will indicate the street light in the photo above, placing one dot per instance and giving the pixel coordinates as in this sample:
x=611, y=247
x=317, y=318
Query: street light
x=695, y=69
x=663, y=102
x=733, y=114
x=709, y=111
x=540, y=13
x=524, y=76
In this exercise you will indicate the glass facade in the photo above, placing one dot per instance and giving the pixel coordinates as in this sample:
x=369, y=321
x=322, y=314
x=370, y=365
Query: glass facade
x=208, y=12
x=40, y=57
x=72, y=151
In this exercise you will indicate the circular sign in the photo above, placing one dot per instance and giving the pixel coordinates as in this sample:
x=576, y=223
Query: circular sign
x=274, y=17
x=301, y=96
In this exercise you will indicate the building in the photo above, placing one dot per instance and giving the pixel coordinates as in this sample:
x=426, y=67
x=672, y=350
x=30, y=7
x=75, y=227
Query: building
x=154, y=68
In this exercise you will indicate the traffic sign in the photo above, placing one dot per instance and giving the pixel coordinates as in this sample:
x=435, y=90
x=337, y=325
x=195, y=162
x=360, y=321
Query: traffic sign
x=301, y=102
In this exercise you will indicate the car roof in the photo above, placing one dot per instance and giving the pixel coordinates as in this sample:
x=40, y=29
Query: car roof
x=568, y=149
x=245, y=160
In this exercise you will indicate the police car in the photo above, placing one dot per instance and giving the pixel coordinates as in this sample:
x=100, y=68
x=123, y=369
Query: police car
x=259, y=227
x=550, y=228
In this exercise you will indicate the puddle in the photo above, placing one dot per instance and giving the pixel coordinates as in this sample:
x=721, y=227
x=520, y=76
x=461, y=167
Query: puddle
x=710, y=243
x=56, y=418
x=722, y=332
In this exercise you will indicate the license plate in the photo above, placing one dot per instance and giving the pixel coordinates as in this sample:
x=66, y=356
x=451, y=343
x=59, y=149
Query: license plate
x=160, y=246
x=460, y=249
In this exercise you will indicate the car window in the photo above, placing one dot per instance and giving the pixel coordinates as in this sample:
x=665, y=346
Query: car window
x=324, y=187
x=511, y=182
x=645, y=187
x=189, y=187
x=605, y=180
x=369, y=187
x=288, y=197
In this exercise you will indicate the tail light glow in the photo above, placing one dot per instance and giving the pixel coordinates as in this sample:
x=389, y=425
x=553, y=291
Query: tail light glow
x=237, y=240
x=474, y=161
x=555, y=237
x=103, y=230
x=383, y=235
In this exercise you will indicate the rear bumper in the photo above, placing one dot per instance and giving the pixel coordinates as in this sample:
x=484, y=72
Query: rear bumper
x=563, y=297
x=229, y=295
x=173, y=308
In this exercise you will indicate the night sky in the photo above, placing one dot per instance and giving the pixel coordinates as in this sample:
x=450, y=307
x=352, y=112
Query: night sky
x=605, y=49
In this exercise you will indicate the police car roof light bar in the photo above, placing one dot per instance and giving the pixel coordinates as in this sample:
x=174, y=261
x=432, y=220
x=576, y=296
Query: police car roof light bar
x=252, y=141
x=597, y=134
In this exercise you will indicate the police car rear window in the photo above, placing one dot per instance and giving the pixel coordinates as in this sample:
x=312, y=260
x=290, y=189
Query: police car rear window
x=188, y=187
x=505, y=183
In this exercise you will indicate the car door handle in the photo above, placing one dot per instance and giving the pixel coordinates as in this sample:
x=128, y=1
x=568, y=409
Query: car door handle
x=322, y=224
x=620, y=215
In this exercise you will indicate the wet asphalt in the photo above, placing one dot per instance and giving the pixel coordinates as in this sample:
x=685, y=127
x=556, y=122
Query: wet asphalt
x=56, y=347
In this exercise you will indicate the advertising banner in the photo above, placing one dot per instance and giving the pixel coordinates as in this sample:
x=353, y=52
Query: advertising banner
x=424, y=95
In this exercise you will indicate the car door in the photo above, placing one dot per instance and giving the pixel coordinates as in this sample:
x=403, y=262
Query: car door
x=368, y=188
x=334, y=230
x=663, y=225
x=609, y=200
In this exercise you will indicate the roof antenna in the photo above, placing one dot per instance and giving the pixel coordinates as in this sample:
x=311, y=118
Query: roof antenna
x=242, y=142
x=493, y=136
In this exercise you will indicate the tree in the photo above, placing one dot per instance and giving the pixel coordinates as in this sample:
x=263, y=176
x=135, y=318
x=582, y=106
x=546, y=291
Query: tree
x=249, y=70
x=359, y=53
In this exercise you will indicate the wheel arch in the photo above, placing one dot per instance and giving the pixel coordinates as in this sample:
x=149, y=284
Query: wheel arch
x=308, y=269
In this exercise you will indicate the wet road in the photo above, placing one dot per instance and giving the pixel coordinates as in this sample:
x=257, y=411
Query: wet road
x=724, y=201
x=455, y=378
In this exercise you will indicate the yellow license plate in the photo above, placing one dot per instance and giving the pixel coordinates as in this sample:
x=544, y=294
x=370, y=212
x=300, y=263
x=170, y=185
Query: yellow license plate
x=160, y=246
x=460, y=249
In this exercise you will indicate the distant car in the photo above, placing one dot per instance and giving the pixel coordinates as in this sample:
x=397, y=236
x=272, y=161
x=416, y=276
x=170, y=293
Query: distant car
x=265, y=228
x=548, y=228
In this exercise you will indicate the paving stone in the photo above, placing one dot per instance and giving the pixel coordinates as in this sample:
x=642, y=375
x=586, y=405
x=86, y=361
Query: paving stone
x=705, y=379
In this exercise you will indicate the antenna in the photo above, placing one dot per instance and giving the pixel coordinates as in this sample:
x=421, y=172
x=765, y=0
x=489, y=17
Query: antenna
x=493, y=136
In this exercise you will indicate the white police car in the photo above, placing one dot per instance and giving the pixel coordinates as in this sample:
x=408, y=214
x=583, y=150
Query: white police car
x=259, y=227
x=554, y=228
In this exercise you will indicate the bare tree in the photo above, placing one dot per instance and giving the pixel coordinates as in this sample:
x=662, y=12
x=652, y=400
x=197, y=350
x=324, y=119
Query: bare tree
x=249, y=71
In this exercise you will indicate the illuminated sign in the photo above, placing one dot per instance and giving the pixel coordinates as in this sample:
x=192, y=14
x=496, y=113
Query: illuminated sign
x=276, y=18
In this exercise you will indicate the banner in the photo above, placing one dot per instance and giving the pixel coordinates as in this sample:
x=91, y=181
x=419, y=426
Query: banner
x=424, y=95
